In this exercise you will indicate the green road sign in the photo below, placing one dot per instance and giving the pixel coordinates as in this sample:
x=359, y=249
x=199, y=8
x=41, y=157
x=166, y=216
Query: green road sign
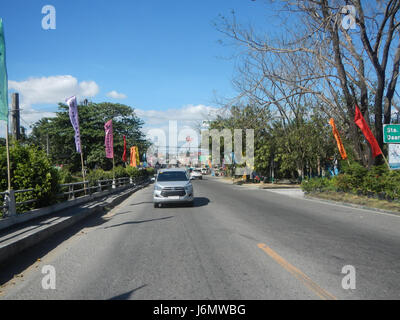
x=391, y=133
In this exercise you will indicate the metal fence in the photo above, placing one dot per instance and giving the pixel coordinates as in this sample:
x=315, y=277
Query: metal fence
x=69, y=192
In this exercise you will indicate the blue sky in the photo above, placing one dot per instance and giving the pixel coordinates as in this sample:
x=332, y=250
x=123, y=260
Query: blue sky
x=159, y=55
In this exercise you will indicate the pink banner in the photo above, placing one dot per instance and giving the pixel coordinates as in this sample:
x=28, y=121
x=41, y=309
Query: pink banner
x=109, y=140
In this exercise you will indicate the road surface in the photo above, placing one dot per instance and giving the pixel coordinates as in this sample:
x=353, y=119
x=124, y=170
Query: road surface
x=235, y=243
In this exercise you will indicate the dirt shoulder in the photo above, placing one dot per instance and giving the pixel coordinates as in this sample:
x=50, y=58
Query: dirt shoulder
x=364, y=201
x=260, y=185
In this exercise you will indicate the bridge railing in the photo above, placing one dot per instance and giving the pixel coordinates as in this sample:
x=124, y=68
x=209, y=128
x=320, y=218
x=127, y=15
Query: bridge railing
x=69, y=191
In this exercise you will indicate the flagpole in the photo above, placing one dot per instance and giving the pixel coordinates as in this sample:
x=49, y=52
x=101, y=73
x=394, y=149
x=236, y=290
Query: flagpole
x=114, y=172
x=384, y=158
x=113, y=168
x=82, y=163
x=8, y=159
x=83, y=168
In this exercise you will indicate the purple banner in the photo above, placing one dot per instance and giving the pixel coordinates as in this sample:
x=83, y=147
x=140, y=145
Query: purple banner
x=109, y=140
x=73, y=115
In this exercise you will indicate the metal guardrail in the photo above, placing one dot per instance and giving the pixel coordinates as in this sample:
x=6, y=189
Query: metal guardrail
x=20, y=203
x=70, y=191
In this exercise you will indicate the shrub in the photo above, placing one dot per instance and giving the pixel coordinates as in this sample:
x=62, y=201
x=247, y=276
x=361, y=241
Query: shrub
x=355, y=170
x=30, y=169
x=120, y=172
x=374, y=182
x=377, y=180
x=150, y=171
x=65, y=176
x=98, y=174
x=346, y=182
x=132, y=172
x=315, y=184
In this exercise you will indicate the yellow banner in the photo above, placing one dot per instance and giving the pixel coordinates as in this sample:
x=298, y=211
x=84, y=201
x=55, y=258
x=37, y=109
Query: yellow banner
x=137, y=155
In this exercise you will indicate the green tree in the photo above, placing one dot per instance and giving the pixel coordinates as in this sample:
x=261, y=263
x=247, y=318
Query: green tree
x=302, y=145
x=56, y=135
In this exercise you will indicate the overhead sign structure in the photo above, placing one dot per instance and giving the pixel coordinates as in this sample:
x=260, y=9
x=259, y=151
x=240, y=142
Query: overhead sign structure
x=394, y=156
x=391, y=133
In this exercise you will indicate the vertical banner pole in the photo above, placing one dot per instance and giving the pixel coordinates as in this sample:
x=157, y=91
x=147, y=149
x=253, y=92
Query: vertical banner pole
x=83, y=171
x=384, y=158
x=113, y=168
x=82, y=163
x=74, y=117
x=8, y=159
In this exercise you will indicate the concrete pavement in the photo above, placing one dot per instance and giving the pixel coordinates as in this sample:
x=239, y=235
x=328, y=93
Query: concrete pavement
x=235, y=243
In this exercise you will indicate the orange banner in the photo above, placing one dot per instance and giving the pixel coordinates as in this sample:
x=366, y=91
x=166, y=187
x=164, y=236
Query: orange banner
x=338, y=140
x=133, y=162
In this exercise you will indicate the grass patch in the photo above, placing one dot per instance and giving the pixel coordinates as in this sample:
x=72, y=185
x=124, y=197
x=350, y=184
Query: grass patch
x=279, y=186
x=358, y=200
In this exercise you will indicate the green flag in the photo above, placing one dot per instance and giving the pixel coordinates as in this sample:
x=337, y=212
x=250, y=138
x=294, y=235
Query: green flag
x=3, y=77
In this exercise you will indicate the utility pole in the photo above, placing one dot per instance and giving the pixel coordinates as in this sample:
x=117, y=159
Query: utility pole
x=15, y=118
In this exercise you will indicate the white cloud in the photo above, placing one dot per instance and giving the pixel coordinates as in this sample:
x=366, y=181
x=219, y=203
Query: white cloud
x=53, y=89
x=48, y=90
x=186, y=115
x=116, y=95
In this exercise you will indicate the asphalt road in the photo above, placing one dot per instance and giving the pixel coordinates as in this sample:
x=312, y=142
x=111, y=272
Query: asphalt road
x=235, y=243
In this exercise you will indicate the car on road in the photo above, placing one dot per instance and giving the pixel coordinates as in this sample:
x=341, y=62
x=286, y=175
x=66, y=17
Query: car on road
x=196, y=174
x=173, y=186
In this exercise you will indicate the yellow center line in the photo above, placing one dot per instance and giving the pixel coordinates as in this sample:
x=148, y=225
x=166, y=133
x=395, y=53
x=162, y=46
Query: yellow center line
x=323, y=294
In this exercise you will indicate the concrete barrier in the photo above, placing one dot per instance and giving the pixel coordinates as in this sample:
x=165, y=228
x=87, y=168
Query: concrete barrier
x=10, y=248
x=10, y=221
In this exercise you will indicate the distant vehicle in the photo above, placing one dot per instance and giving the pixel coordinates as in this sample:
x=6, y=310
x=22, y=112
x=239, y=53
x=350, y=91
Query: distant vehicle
x=196, y=174
x=173, y=186
x=204, y=171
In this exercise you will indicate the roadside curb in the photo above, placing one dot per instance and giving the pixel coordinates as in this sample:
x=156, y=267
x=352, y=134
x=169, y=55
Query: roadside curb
x=352, y=205
x=21, y=243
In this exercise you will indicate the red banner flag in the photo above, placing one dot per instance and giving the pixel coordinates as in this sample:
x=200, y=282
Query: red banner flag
x=362, y=124
x=124, y=155
x=109, y=140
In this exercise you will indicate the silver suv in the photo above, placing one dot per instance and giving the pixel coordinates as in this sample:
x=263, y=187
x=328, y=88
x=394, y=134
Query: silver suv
x=172, y=186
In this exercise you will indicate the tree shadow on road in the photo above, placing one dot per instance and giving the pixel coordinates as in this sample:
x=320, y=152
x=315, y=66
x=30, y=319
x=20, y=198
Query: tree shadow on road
x=137, y=222
x=127, y=295
x=19, y=263
x=136, y=204
x=201, y=201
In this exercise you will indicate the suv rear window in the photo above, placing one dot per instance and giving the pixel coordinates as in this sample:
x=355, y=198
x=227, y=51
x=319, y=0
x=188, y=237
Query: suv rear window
x=172, y=176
